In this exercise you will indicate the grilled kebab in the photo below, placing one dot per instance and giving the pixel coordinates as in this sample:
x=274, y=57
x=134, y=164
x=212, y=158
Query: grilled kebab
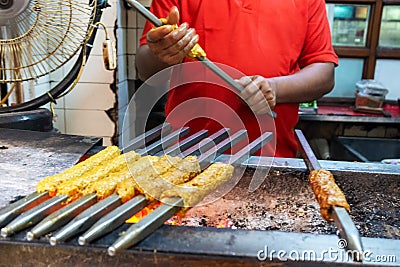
x=50, y=183
x=327, y=192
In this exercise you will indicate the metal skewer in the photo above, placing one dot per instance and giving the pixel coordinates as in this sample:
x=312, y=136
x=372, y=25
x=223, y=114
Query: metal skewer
x=112, y=220
x=39, y=212
x=62, y=216
x=341, y=218
x=207, y=143
x=155, y=219
x=209, y=64
x=117, y=217
x=31, y=217
x=22, y=205
x=174, y=150
x=141, y=140
x=87, y=218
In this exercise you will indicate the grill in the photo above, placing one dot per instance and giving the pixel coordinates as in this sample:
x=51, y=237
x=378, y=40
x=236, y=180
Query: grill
x=240, y=228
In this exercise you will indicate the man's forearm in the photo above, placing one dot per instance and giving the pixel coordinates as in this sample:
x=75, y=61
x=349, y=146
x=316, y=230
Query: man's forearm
x=311, y=82
x=147, y=63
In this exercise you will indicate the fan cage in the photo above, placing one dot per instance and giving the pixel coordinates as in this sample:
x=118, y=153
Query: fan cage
x=42, y=38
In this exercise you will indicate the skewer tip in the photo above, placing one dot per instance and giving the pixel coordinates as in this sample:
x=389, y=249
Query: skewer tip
x=112, y=251
x=82, y=241
x=30, y=236
x=53, y=241
x=4, y=232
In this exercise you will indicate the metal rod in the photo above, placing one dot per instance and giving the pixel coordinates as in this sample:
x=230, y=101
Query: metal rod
x=145, y=12
x=341, y=218
x=308, y=155
x=13, y=210
x=141, y=140
x=147, y=225
x=210, y=65
x=155, y=219
x=164, y=141
x=113, y=219
x=208, y=157
x=61, y=217
x=207, y=143
x=251, y=148
x=184, y=144
x=33, y=216
x=348, y=231
x=225, y=77
x=86, y=219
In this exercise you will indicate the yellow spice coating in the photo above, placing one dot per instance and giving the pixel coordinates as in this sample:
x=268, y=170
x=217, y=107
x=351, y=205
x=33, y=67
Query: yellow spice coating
x=154, y=184
x=76, y=185
x=183, y=172
x=203, y=184
x=133, y=185
x=106, y=186
x=50, y=183
x=178, y=174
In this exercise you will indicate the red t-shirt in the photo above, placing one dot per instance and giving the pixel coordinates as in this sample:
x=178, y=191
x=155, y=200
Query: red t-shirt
x=254, y=37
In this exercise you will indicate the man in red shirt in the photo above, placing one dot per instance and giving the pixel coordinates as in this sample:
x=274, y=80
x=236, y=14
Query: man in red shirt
x=282, y=52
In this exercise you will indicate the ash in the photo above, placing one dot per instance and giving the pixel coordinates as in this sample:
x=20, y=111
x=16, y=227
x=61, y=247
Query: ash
x=286, y=202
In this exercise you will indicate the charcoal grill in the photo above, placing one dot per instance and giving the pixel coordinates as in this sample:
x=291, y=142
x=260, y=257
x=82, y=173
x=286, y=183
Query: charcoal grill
x=282, y=215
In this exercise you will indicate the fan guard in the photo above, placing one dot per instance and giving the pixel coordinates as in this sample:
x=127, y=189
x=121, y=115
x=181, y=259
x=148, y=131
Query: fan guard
x=39, y=36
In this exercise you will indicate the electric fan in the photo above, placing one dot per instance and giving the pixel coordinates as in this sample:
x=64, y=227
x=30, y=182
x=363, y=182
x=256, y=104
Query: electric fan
x=39, y=36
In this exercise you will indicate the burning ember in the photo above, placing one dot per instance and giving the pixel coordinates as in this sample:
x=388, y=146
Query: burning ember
x=143, y=213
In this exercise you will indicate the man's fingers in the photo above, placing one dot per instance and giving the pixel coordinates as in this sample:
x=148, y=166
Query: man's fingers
x=173, y=17
x=157, y=34
x=250, y=87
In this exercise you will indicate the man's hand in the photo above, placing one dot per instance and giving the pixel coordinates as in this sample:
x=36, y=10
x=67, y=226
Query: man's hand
x=169, y=45
x=259, y=93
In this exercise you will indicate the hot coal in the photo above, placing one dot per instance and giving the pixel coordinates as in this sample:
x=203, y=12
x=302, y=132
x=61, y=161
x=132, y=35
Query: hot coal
x=286, y=202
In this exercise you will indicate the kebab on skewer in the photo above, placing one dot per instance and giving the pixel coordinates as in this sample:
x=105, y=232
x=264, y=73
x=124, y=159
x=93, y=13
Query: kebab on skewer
x=194, y=191
x=75, y=186
x=50, y=183
x=327, y=192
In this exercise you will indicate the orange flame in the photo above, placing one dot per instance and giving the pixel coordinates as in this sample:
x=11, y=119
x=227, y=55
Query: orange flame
x=143, y=213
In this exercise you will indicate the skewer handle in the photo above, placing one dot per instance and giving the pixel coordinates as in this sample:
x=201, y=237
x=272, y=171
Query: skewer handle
x=147, y=225
x=13, y=210
x=348, y=231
